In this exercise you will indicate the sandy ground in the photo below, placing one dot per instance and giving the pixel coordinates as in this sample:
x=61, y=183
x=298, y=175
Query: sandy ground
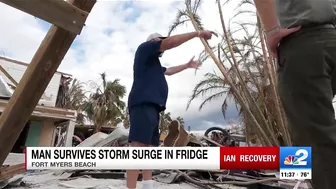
x=47, y=180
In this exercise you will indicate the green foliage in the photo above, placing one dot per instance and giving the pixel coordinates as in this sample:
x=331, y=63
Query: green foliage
x=72, y=96
x=105, y=106
x=165, y=119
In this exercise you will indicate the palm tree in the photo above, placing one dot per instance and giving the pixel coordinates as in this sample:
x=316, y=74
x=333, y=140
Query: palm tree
x=248, y=75
x=126, y=121
x=71, y=95
x=165, y=119
x=181, y=120
x=104, y=106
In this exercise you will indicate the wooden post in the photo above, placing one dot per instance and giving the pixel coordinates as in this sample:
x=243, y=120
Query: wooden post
x=70, y=133
x=34, y=81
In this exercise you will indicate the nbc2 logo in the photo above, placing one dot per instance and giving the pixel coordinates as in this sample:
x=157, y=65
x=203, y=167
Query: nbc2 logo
x=298, y=159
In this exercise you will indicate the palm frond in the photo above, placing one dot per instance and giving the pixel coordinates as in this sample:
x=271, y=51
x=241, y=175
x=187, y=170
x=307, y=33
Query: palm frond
x=210, y=98
x=248, y=71
x=177, y=22
x=104, y=106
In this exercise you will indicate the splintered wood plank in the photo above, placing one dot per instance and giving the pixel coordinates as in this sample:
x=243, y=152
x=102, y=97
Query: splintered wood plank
x=34, y=81
x=12, y=170
x=57, y=12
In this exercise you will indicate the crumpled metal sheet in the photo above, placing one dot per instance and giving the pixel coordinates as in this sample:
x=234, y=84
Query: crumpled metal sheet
x=119, y=133
x=93, y=140
x=99, y=140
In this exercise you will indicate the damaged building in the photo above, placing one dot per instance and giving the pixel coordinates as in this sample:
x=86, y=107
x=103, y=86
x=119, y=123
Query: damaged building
x=47, y=121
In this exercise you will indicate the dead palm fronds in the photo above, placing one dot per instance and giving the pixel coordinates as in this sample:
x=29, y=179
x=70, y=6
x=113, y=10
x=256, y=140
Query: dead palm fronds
x=248, y=76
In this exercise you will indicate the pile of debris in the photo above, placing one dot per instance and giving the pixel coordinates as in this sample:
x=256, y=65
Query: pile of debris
x=9, y=174
x=206, y=179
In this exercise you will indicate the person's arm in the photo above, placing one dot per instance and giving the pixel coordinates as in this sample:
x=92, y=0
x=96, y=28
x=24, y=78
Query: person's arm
x=267, y=13
x=175, y=69
x=177, y=40
x=154, y=47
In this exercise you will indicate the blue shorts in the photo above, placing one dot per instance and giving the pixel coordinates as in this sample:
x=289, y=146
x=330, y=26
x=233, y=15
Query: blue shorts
x=144, y=124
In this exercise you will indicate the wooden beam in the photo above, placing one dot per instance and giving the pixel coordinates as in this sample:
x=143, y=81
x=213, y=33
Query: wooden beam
x=8, y=76
x=57, y=12
x=34, y=81
x=46, y=109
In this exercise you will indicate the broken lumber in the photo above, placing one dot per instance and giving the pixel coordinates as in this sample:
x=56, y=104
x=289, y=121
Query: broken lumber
x=34, y=81
x=12, y=170
x=59, y=12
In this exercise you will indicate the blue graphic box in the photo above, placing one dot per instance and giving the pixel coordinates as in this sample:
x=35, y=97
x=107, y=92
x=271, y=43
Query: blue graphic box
x=295, y=157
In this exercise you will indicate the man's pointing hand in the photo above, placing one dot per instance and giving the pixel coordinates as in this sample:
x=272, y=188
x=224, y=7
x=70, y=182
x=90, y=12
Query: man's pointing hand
x=206, y=34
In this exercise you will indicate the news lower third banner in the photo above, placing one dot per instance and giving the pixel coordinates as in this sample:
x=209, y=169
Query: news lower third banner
x=294, y=162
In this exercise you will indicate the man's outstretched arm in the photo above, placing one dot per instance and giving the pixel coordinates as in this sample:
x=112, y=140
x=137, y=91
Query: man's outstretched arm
x=267, y=13
x=177, y=40
x=176, y=69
